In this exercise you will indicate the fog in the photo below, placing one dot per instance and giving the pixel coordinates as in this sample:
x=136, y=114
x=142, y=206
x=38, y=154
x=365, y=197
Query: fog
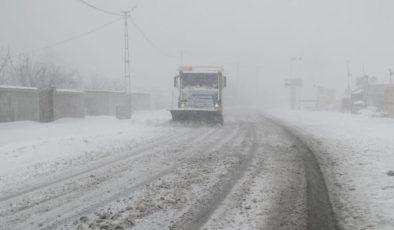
x=302, y=137
x=259, y=42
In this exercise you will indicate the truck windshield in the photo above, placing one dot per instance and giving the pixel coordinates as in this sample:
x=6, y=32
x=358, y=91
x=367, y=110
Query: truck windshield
x=200, y=80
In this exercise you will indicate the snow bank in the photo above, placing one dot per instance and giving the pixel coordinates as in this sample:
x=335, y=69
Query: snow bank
x=356, y=154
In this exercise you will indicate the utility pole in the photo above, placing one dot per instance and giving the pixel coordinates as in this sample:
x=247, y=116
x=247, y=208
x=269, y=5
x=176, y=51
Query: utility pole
x=294, y=82
x=293, y=96
x=126, y=53
x=127, y=74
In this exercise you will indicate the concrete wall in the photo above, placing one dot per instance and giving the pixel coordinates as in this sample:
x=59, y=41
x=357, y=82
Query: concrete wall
x=389, y=101
x=68, y=103
x=18, y=103
x=22, y=103
x=46, y=104
x=374, y=96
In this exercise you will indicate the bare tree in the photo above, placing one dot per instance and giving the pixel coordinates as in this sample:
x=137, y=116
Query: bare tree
x=5, y=59
x=26, y=72
x=46, y=75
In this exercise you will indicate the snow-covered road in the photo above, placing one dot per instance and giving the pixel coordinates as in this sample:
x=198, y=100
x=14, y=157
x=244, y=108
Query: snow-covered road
x=150, y=173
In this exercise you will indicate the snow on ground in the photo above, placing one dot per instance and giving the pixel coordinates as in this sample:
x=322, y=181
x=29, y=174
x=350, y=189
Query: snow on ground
x=30, y=149
x=356, y=154
x=150, y=173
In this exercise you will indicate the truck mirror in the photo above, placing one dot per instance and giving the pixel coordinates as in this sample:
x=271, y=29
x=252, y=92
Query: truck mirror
x=224, y=81
x=176, y=81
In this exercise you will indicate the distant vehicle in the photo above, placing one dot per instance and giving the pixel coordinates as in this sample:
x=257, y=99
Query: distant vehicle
x=200, y=94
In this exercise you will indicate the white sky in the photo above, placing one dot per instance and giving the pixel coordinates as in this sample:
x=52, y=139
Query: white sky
x=260, y=35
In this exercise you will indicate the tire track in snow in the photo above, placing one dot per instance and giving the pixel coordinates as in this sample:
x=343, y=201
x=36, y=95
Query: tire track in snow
x=182, y=182
x=221, y=138
x=138, y=152
x=211, y=144
x=193, y=139
x=133, y=155
x=199, y=214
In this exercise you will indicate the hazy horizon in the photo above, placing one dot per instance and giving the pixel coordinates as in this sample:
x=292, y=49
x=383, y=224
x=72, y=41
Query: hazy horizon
x=259, y=38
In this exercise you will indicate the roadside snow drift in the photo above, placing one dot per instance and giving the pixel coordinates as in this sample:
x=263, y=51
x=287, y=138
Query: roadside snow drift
x=356, y=154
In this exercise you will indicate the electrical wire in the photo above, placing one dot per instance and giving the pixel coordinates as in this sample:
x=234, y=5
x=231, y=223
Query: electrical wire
x=143, y=34
x=99, y=9
x=150, y=42
x=75, y=37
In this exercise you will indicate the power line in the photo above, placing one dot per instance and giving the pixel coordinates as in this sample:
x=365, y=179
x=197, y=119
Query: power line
x=99, y=9
x=135, y=25
x=158, y=49
x=150, y=42
x=75, y=37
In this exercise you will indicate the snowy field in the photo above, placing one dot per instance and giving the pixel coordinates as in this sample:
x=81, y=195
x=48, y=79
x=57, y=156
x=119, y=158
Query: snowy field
x=356, y=154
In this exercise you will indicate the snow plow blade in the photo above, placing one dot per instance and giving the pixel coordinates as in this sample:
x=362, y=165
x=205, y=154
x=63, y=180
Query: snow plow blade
x=209, y=116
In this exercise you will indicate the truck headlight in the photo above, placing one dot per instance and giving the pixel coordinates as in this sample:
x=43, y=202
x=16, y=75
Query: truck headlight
x=216, y=106
x=182, y=105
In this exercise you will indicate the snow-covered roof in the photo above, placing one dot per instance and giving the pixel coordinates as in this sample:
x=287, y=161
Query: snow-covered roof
x=68, y=91
x=104, y=91
x=200, y=89
x=357, y=91
x=16, y=87
x=359, y=103
x=201, y=69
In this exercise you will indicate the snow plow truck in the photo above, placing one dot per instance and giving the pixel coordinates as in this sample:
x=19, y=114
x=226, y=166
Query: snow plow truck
x=200, y=94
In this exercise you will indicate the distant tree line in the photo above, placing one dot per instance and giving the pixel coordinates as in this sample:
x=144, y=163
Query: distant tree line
x=21, y=70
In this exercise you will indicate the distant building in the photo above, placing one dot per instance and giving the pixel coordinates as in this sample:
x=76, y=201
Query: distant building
x=326, y=99
x=369, y=96
x=388, y=107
